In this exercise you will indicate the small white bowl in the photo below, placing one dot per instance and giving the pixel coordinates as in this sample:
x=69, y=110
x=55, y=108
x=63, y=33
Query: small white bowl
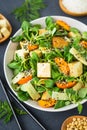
x=12, y=47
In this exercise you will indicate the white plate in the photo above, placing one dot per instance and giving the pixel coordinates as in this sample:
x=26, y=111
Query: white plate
x=12, y=47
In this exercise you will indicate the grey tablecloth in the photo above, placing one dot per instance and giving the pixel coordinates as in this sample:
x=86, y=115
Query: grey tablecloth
x=52, y=121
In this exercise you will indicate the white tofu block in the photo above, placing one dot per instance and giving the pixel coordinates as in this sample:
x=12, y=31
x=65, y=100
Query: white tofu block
x=17, y=77
x=3, y=23
x=43, y=70
x=59, y=96
x=5, y=32
x=20, y=53
x=76, y=69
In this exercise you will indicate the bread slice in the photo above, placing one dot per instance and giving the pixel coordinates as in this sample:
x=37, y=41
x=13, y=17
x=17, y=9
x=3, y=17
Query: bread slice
x=70, y=12
x=5, y=28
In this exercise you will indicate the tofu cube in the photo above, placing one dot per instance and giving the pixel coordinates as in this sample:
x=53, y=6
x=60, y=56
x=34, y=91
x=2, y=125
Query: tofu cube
x=43, y=70
x=20, y=53
x=76, y=69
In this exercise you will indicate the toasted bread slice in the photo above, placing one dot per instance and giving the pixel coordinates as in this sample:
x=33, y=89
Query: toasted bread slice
x=7, y=30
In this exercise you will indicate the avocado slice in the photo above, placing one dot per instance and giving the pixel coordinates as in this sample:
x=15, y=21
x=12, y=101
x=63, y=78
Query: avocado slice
x=29, y=88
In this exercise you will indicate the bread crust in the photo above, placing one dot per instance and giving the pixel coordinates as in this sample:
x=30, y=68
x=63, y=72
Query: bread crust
x=64, y=9
x=9, y=28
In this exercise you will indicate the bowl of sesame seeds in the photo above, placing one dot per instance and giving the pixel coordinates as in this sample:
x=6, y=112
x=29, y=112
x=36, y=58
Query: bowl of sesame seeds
x=75, y=122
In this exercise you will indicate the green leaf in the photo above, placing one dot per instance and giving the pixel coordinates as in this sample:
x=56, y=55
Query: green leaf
x=84, y=35
x=6, y=112
x=49, y=83
x=80, y=108
x=16, y=38
x=40, y=89
x=8, y=117
x=82, y=92
x=29, y=10
x=50, y=25
x=20, y=111
x=14, y=64
x=68, y=57
x=3, y=114
x=16, y=71
x=72, y=95
x=75, y=30
x=59, y=104
x=23, y=96
x=35, y=57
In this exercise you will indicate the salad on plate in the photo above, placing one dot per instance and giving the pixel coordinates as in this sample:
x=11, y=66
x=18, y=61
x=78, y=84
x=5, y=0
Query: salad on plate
x=50, y=64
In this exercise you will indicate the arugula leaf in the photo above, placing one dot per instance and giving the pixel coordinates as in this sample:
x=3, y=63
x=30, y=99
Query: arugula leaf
x=58, y=52
x=82, y=92
x=25, y=29
x=73, y=95
x=40, y=89
x=50, y=24
x=25, y=26
x=14, y=64
x=17, y=38
x=68, y=57
x=23, y=96
x=84, y=35
x=35, y=57
x=75, y=43
x=33, y=62
x=83, y=77
x=55, y=72
x=80, y=108
x=61, y=32
x=49, y=83
x=77, y=34
x=45, y=40
x=16, y=71
x=59, y=104
x=15, y=87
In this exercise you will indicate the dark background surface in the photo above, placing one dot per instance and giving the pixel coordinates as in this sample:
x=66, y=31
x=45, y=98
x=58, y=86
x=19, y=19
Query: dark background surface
x=52, y=121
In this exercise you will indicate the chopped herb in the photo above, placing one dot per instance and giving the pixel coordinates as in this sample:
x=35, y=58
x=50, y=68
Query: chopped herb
x=6, y=112
x=29, y=10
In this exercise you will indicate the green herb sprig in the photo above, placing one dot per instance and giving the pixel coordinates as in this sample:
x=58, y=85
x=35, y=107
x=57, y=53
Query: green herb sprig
x=29, y=10
x=6, y=112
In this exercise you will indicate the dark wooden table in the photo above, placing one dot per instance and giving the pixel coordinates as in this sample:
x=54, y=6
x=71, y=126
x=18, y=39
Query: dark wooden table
x=52, y=121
